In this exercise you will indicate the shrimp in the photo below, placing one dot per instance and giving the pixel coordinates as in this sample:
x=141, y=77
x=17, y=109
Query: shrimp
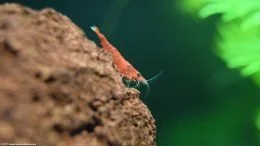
x=125, y=69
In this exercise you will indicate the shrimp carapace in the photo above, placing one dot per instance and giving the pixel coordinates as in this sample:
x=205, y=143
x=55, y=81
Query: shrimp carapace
x=124, y=67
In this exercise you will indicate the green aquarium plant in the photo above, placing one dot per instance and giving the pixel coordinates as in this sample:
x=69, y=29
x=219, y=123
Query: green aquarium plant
x=238, y=38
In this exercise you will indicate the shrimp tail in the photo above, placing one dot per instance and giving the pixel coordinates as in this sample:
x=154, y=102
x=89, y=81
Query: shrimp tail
x=94, y=28
x=98, y=33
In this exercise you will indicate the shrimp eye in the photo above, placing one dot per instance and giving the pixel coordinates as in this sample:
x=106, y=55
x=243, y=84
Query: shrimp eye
x=138, y=74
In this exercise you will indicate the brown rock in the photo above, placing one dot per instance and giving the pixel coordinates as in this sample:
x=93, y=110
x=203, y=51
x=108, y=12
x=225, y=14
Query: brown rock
x=57, y=88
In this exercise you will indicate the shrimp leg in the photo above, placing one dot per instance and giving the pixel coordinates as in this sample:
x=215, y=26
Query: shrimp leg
x=128, y=83
x=137, y=84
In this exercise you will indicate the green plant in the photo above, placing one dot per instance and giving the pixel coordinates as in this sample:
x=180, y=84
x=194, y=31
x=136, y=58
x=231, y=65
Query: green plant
x=238, y=39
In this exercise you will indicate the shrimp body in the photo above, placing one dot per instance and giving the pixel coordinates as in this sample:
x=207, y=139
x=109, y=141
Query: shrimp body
x=125, y=68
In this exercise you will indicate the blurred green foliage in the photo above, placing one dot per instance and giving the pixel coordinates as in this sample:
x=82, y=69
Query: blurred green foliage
x=238, y=36
x=239, y=31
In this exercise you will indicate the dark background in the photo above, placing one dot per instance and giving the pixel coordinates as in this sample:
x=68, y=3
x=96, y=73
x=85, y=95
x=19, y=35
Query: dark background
x=197, y=101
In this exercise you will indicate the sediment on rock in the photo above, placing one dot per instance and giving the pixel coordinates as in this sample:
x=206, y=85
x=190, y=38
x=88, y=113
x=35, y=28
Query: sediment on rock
x=58, y=88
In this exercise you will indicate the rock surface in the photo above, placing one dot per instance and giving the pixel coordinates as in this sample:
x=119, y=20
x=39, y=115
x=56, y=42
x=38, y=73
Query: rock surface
x=60, y=89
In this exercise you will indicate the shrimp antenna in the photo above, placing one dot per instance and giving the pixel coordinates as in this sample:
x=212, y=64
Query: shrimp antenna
x=147, y=84
x=147, y=88
x=156, y=76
